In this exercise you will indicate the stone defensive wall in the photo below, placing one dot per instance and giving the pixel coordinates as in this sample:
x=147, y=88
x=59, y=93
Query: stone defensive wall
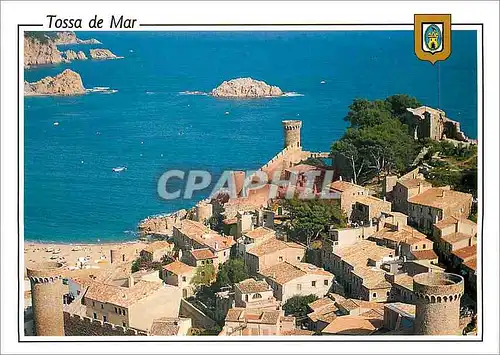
x=438, y=287
x=76, y=325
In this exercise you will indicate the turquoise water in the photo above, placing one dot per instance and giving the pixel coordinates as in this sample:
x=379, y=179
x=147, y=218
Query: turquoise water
x=71, y=193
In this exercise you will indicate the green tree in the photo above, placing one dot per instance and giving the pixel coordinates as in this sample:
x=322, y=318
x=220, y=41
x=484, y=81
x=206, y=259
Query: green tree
x=231, y=272
x=400, y=102
x=204, y=275
x=365, y=113
x=348, y=149
x=308, y=218
x=297, y=306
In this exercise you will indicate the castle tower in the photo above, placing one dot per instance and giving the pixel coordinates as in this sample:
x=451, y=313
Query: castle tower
x=437, y=303
x=47, y=298
x=292, y=133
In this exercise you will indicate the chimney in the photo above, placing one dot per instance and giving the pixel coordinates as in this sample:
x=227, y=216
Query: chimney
x=340, y=178
x=384, y=199
x=419, y=188
x=130, y=281
x=216, y=245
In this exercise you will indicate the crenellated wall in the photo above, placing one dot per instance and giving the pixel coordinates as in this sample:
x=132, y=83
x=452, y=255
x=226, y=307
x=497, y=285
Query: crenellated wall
x=76, y=325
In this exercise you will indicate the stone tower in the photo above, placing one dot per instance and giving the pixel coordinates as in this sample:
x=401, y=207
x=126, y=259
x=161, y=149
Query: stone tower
x=292, y=133
x=47, y=298
x=437, y=299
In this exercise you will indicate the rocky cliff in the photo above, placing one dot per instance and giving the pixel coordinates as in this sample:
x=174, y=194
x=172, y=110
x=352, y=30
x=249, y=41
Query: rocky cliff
x=245, y=88
x=69, y=37
x=38, y=51
x=66, y=83
x=100, y=53
x=72, y=55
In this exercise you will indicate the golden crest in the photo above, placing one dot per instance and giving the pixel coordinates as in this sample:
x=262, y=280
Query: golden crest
x=432, y=35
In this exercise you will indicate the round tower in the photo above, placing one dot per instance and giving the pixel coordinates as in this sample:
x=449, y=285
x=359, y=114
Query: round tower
x=437, y=299
x=47, y=298
x=204, y=211
x=292, y=133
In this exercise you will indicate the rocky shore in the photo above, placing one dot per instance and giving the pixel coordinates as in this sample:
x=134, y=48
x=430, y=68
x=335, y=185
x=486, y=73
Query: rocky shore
x=66, y=83
x=70, y=55
x=40, y=51
x=69, y=37
x=100, y=53
x=246, y=88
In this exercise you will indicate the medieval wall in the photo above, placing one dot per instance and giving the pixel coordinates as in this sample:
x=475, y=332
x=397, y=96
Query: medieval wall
x=75, y=325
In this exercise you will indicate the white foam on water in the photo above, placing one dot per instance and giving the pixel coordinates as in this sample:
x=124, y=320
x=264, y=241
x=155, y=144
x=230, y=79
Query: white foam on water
x=292, y=94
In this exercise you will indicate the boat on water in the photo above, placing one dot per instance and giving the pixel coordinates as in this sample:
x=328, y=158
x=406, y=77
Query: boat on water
x=119, y=169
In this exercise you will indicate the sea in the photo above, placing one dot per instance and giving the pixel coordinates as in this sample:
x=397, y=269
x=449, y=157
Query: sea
x=146, y=122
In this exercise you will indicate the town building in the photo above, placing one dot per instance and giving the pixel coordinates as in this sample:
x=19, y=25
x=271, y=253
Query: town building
x=244, y=321
x=251, y=293
x=155, y=251
x=271, y=252
x=398, y=316
x=364, y=324
x=406, y=189
x=288, y=280
x=368, y=208
x=179, y=274
x=437, y=203
x=201, y=257
x=134, y=306
x=323, y=312
x=347, y=192
x=170, y=326
x=252, y=238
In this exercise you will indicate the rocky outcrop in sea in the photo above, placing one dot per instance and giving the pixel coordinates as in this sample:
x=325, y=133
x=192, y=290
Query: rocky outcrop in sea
x=39, y=51
x=246, y=88
x=66, y=83
x=69, y=37
x=99, y=53
x=70, y=55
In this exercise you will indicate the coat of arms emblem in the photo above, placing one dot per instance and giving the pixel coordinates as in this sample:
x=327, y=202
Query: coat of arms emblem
x=432, y=37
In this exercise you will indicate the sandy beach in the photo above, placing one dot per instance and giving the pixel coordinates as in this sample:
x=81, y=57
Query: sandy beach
x=79, y=259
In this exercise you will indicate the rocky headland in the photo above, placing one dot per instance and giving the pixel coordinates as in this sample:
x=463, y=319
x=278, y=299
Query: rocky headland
x=99, y=53
x=246, y=88
x=40, y=50
x=66, y=83
x=70, y=55
x=69, y=37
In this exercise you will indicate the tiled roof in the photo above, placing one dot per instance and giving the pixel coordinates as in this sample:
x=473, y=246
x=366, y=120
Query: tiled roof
x=471, y=263
x=165, y=326
x=466, y=253
x=325, y=314
x=353, y=325
x=259, y=232
x=373, y=313
x=342, y=186
x=161, y=244
x=400, y=235
x=372, y=201
x=352, y=304
x=179, y=268
x=405, y=307
x=372, y=278
x=320, y=303
x=205, y=236
x=424, y=254
x=297, y=331
x=302, y=168
x=263, y=316
x=358, y=254
x=411, y=183
x=450, y=220
x=456, y=237
x=121, y=296
x=404, y=280
x=285, y=272
x=202, y=254
x=272, y=245
x=440, y=198
x=252, y=286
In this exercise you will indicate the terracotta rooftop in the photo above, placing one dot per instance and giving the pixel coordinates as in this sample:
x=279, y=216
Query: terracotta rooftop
x=272, y=245
x=466, y=253
x=302, y=168
x=263, y=316
x=456, y=237
x=233, y=220
x=412, y=183
x=342, y=186
x=358, y=254
x=202, y=254
x=392, y=234
x=440, y=198
x=471, y=263
x=350, y=304
x=165, y=326
x=372, y=278
x=284, y=272
x=424, y=254
x=320, y=303
x=373, y=313
x=161, y=244
x=325, y=314
x=297, y=331
x=203, y=235
x=179, y=268
x=450, y=220
x=259, y=233
x=405, y=307
x=121, y=296
x=353, y=325
x=372, y=201
x=404, y=280
x=252, y=286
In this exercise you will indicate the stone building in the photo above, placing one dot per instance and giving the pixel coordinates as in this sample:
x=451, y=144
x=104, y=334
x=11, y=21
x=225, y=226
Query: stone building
x=251, y=293
x=47, y=298
x=288, y=280
x=437, y=298
x=243, y=321
x=404, y=190
x=368, y=208
x=179, y=274
x=437, y=203
x=155, y=251
x=347, y=192
x=133, y=306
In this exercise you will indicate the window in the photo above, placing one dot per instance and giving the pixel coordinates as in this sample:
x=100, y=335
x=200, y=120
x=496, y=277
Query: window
x=246, y=298
x=104, y=318
x=116, y=310
x=256, y=295
x=280, y=258
x=224, y=253
x=203, y=262
x=102, y=306
x=313, y=283
x=388, y=293
x=124, y=324
x=123, y=311
x=374, y=294
x=299, y=287
x=416, y=247
x=93, y=304
x=95, y=315
x=183, y=278
x=423, y=246
x=298, y=258
x=325, y=282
